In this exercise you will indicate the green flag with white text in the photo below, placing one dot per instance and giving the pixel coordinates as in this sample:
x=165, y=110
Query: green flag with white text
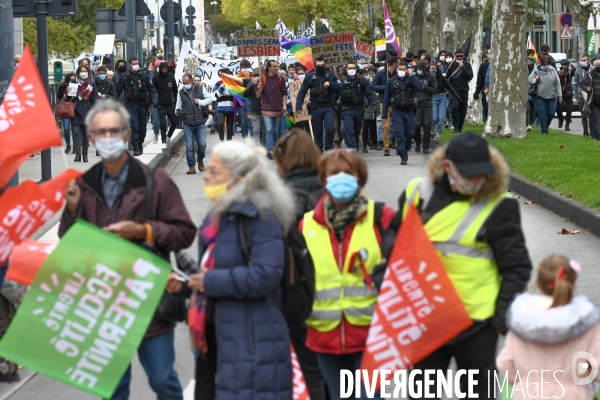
x=87, y=310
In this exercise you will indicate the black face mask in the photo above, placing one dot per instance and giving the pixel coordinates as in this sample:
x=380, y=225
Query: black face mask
x=320, y=70
x=122, y=69
x=163, y=73
x=597, y=69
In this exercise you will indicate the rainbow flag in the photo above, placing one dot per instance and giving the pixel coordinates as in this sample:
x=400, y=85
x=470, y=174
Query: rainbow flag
x=300, y=48
x=289, y=121
x=535, y=57
x=235, y=87
x=436, y=55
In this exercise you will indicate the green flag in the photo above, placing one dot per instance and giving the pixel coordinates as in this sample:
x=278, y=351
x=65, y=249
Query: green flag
x=87, y=310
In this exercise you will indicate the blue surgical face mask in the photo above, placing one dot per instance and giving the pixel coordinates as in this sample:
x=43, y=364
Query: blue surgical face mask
x=187, y=86
x=419, y=72
x=342, y=187
x=102, y=77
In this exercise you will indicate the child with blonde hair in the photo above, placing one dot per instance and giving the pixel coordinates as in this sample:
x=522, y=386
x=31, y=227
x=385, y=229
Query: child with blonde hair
x=545, y=333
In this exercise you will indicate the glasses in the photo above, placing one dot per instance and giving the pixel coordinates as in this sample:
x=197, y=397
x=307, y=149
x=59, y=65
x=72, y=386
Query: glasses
x=112, y=132
x=459, y=57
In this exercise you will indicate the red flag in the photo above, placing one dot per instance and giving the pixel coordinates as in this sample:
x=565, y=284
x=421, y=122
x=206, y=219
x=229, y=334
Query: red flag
x=300, y=389
x=26, y=119
x=418, y=309
x=26, y=260
x=25, y=208
x=9, y=167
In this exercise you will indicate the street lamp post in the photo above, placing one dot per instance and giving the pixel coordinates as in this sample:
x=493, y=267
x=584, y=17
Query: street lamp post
x=214, y=3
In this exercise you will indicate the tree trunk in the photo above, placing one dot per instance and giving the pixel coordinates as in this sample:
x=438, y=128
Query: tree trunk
x=432, y=26
x=508, y=76
x=448, y=21
x=415, y=25
x=581, y=16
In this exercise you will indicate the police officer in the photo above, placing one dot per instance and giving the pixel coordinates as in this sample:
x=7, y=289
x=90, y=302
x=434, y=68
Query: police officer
x=400, y=95
x=354, y=90
x=139, y=94
x=424, y=99
x=322, y=84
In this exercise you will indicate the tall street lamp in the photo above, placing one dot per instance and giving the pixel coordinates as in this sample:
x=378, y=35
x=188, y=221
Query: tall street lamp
x=214, y=3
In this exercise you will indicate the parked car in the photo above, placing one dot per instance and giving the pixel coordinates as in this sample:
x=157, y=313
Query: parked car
x=218, y=50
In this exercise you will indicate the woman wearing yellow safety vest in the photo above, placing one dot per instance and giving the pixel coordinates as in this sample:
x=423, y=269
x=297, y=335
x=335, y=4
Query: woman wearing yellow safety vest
x=343, y=235
x=475, y=225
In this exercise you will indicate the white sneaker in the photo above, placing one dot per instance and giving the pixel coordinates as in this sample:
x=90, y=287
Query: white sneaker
x=168, y=140
x=164, y=146
x=528, y=128
x=155, y=139
x=437, y=138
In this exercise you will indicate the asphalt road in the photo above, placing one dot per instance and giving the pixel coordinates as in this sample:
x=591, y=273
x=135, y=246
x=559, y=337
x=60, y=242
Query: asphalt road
x=387, y=179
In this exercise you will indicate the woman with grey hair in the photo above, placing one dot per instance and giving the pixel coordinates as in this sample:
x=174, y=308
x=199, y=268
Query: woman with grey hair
x=237, y=328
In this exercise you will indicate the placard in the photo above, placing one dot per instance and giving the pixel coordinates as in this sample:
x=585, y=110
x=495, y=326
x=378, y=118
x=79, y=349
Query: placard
x=258, y=43
x=336, y=48
x=294, y=87
x=363, y=51
x=104, y=44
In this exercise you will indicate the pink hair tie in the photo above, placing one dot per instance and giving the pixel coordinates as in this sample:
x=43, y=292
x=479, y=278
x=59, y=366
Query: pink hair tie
x=575, y=266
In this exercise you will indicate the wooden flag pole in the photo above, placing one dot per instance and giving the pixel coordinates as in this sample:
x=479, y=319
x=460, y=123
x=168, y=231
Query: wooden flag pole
x=311, y=130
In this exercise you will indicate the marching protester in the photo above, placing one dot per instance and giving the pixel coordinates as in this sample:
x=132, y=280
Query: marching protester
x=583, y=70
x=121, y=69
x=530, y=115
x=139, y=93
x=242, y=112
x=424, y=103
x=440, y=102
x=481, y=73
x=108, y=196
x=565, y=75
x=344, y=296
x=544, y=90
x=475, y=226
x=355, y=90
x=241, y=323
x=224, y=108
x=154, y=117
x=322, y=84
x=459, y=74
x=258, y=123
x=545, y=51
x=400, y=92
x=193, y=103
x=61, y=94
x=106, y=88
x=272, y=92
x=379, y=85
x=166, y=87
x=591, y=85
x=546, y=331
x=87, y=95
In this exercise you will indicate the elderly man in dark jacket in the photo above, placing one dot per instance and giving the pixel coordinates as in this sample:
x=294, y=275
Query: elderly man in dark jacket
x=112, y=196
x=378, y=86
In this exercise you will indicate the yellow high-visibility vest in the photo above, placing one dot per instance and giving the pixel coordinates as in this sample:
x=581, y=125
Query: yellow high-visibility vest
x=342, y=291
x=469, y=263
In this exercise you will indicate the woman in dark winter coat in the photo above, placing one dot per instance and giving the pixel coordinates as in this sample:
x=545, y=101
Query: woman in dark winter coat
x=62, y=94
x=84, y=100
x=245, y=339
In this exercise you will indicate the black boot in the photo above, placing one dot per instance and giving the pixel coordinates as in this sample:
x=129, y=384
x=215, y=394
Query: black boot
x=77, y=157
x=567, y=128
x=68, y=149
x=379, y=146
x=136, y=152
x=404, y=160
x=141, y=149
x=85, y=158
x=365, y=149
x=560, y=123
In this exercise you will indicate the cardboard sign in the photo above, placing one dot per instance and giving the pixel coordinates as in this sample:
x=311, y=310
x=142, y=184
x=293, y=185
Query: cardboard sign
x=363, y=51
x=294, y=89
x=258, y=43
x=418, y=309
x=336, y=48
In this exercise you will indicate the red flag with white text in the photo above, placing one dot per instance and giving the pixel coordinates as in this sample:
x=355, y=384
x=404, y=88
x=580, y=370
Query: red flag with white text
x=26, y=260
x=300, y=389
x=418, y=309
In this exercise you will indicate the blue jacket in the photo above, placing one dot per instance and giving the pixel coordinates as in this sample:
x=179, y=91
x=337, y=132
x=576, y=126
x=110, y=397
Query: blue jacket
x=388, y=89
x=334, y=87
x=253, y=343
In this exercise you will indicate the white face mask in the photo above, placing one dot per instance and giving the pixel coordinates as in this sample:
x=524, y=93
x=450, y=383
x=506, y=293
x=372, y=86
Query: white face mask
x=83, y=75
x=135, y=67
x=301, y=77
x=464, y=186
x=401, y=74
x=351, y=72
x=449, y=60
x=584, y=64
x=110, y=149
x=443, y=58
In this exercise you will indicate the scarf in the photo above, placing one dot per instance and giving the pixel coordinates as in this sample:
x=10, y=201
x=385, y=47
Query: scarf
x=82, y=90
x=197, y=309
x=339, y=220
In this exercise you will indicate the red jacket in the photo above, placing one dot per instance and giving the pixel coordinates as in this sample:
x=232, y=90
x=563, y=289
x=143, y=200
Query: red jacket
x=346, y=338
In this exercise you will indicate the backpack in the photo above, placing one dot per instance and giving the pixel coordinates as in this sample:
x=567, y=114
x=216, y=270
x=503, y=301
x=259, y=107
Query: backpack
x=298, y=280
x=281, y=82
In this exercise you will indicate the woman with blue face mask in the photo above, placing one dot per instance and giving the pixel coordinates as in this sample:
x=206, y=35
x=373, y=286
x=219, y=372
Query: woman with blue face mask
x=343, y=235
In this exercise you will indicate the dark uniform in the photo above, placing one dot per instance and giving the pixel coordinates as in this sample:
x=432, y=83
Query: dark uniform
x=321, y=105
x=139, y=94
x=352, y=99
x=400, y=95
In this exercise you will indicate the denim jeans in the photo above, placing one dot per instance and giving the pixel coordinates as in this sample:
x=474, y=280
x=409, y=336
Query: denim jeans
x=379, y=129
x=273, y=125
x=242, y=117
x=545, y=109
x=439, y=112
x=67, y=131
x=332, y=364
x=157, y=356
x=154, y=117
x=197, y=133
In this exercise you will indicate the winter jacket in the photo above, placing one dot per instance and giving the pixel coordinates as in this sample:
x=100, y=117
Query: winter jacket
x=253, y=343
x=82, y=106
x=307, y=188
x=443, y=86
x=548, y=86
x=481, y=73
x=172, y=225
x=460, y=77
x=429, y=83
x=379, y=82
x=255, y=102
x=61, y=93
x=166, y=87
x=544, y=338
x=580, y=74
x=107, y=88
x=389, y=89
x=345, y=338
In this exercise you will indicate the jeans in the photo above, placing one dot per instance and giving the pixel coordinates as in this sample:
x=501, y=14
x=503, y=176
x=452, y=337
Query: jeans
x=221, y=119
x=157, y=356
x=379, y=128
x=258, y=128
x=243, y=118
x=352, y=125
x=138, y=114
x=423, y=119
x=323, y=117
x=273, y=125
x=403, y=123
x=155, y=119
x=67, y=131
x=545, y=109
x=439, y=112
x=197, y=133
x=164, y=113
x=80, y=139
x=332, y=364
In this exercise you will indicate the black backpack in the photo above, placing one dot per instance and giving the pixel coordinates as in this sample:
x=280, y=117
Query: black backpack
x=298, y=281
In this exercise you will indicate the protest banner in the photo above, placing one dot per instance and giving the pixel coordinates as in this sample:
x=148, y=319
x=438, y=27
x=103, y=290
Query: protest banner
x=418, y=309
x=25, y=208
x=300, y=389
x=294, y=87
x=258, y=43
x=26, y=260
x=336, y=48
x=87, y=310
x=363, y=51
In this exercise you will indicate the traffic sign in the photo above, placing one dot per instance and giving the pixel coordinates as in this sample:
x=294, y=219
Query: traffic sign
x=190, y=10
x=566, y=33
x=566, y=19
x=176, y=12
x=189, y=28
x=577, y=32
